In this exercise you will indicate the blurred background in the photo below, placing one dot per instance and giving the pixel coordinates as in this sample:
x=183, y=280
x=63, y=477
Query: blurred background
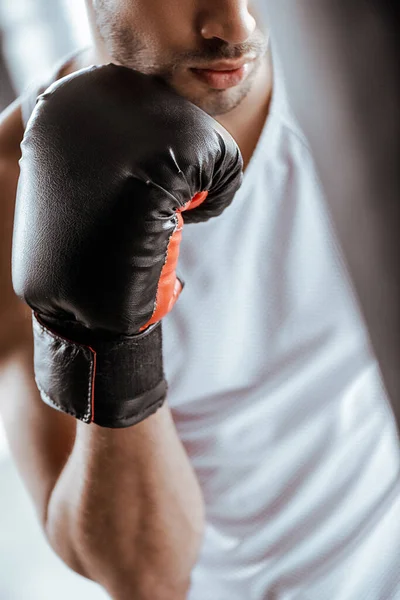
x=34, y=36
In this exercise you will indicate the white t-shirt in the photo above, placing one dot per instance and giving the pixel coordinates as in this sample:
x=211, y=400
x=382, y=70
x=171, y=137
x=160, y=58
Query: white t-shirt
x=277, y=396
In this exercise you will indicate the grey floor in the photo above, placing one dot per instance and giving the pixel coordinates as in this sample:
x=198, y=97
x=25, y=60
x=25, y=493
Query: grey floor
x=29, y=569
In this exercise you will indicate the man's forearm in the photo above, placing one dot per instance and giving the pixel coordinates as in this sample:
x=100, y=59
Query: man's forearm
x=122, y=507
x=127, y=510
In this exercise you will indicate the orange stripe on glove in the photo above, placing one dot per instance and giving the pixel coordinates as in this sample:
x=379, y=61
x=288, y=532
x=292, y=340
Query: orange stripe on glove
x=169, y=286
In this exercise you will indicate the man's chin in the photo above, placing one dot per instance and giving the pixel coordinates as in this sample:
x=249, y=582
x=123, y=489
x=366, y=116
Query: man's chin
x=218, y=102
x=212, y=101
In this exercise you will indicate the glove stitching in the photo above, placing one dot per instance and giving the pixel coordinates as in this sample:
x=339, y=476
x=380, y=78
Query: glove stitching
x=85, y=417
x=65, y=343
x=56, y=337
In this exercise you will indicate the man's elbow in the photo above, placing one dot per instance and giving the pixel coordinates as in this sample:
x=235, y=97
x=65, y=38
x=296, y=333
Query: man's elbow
x=123, y=578
x=123, y=569
x=65, y=543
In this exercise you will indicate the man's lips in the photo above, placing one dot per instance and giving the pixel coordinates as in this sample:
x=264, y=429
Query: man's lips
x=224, y=74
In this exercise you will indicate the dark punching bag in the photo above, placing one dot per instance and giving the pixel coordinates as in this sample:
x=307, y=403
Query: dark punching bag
x=341, y=64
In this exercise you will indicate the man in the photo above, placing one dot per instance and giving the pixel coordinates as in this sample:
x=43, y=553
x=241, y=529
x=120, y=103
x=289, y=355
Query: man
x=272, y=471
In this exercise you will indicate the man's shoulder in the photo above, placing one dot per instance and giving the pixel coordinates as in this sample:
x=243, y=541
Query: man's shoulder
x=11, y=132
x=69, y=64
x=13, y=119
x=74, y=62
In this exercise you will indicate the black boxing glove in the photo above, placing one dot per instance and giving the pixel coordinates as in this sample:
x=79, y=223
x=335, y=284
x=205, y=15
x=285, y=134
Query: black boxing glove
x=113, y=162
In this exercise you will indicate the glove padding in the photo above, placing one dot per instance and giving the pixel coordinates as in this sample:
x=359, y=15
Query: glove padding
x=113, y=162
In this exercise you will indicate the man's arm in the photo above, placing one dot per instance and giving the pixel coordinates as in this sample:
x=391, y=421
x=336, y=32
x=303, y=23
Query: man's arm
x=121, y=507
x=39, y=440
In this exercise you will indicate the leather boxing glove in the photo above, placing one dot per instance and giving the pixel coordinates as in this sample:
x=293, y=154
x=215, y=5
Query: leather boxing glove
x=113, y=162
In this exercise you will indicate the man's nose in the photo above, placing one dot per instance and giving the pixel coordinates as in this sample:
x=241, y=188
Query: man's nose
x=227, y=20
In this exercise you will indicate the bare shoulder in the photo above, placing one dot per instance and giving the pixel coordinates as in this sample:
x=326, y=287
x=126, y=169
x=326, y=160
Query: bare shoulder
x=11, y=132
x=12, y=312
x=11, y=121
x=82, y=59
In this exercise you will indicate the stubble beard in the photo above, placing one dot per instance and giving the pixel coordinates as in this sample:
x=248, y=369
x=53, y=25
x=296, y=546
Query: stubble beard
x=126, y=48
x=215, y=102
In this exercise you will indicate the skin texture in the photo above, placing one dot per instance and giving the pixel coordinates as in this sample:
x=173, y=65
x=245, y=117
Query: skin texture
x=170, y=38
x=121, y=507
x=145, y=36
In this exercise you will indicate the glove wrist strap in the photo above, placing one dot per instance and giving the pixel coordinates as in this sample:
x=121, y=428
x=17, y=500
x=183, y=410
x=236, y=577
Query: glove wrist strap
x=114, y=384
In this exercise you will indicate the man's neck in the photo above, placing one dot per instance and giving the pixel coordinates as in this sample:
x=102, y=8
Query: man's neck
x=246, y=122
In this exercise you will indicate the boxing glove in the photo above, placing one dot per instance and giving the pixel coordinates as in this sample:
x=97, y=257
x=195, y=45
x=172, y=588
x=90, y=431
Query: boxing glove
x=113, y=163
